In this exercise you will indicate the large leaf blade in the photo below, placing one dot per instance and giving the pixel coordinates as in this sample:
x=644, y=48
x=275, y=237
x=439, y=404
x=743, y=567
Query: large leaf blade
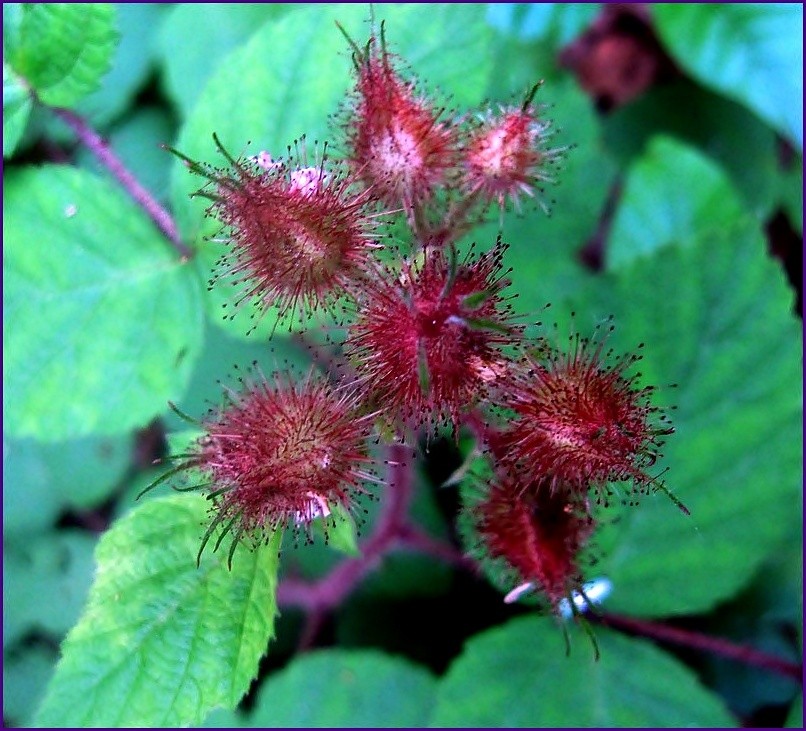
x=161, y=641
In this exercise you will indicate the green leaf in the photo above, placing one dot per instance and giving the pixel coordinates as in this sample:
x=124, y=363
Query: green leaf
x=16, y=108
x=338, y=688
x=41, y=480
x=193, y=41
x=752, y=53
x=338, y=531
x=55, y=566
x=795, y=717
x=727, y=132
x=715, y=315
x=106, y=318
x=161, y=642
x=791, y=194
x=26, y=673
x=671, y=193
x=63, y=49
x=518, y=675
x=130, y=65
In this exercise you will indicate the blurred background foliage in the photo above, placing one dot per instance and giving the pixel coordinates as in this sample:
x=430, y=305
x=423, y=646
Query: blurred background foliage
x=679, y=211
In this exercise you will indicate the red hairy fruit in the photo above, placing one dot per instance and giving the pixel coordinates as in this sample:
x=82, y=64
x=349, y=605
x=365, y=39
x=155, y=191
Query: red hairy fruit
x=506, y=156
x=538, y=532
x=427, y=343
x=280, y=453
x=581, y=420
x=396, y=142
x=298, y=236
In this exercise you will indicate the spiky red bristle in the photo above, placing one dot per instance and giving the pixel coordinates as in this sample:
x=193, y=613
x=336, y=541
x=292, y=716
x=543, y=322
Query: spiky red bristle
x=539, y=532
x=396, y=141
x=297, y=237
x=582, y=421
x=281, y=453
x=427, y=343
x=507, y=157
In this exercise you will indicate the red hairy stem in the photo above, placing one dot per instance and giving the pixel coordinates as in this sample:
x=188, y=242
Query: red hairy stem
x=688, y=638
x=93, y=142
x=328, y=592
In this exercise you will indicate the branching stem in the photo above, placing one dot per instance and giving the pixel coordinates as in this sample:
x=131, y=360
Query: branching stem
x=104, y=154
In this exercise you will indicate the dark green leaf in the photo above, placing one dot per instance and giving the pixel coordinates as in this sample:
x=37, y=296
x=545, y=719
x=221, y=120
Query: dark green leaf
x=16, y=108
x=339, y=688
x=750, y=52
x=63, y=49
x=45, y=582
x=26, y=673
x=106, y=320
x=716, y=318
x=518, y=675
x=161, y=642
x=194, y=40
x=671, y=193
x=724, y=130
x=41, y=480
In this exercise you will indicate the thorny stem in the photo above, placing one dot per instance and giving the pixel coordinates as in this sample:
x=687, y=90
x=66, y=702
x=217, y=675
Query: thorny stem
x=697, y=641
x=93, y=142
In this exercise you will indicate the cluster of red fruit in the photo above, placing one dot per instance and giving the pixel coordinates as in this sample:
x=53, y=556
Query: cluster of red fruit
x=431, y=338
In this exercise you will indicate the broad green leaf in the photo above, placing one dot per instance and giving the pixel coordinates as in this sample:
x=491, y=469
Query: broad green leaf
x=41, y=480
x=161, y=642
x=216, y=366
x=671, y=193
x=26, y=672
x=716, y=319
x=131, y=63
x=63, y=49
x=102, y=321
x=518, y=675
x=728, y=133
x=194, y=40
x=16, y=108
x=342, y=688
x=45, y=582
x=752, y=53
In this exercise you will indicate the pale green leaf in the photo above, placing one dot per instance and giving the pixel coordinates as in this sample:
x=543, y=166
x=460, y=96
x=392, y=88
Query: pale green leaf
x=40, y=480
x=750, y=52
x=26, y=673
x=16, y=108
x=725, y=131
x=102, y=319
x=162, y=642
x=343, y=688
x=45, y=582
x=195, y=39
x=672, y=192
x=63, y=49
x=338, y=531
x=518, y=675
